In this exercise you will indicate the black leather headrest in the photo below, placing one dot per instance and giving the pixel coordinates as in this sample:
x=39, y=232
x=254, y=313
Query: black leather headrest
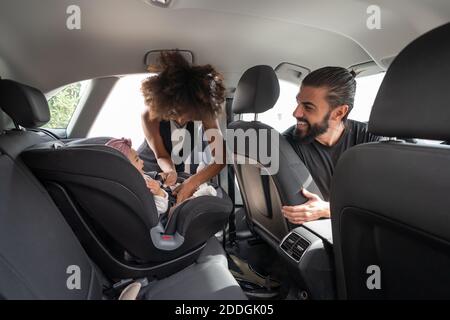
x=25, y=105
x=257, y=90
x=414, y=98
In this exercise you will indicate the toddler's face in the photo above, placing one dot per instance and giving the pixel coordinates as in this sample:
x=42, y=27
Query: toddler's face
x=137, y=162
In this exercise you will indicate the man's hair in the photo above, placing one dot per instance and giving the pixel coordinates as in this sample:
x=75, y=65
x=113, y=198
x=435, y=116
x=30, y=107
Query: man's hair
x=340, y=82
x=181, y=88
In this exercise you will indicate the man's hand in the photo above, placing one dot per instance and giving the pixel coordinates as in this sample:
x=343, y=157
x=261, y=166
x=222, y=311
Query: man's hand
x=313, y=209
x=169, y=178
x=185, y=190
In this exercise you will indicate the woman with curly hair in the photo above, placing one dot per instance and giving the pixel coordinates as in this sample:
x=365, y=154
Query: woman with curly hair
x=177, y=96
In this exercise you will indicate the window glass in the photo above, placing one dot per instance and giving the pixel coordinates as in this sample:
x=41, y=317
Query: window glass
x=366, y=91
x=64, y=103
x=280, y=116
x=120, y=115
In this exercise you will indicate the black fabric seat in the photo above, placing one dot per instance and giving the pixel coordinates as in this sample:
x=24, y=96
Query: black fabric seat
x=389, y=200
x=38, y=249
x=37, y=245
x=265, y=186
x=106, y=202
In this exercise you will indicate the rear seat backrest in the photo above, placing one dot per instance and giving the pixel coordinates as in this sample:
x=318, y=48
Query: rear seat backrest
x=37, y=247
x=264, y=195
x=38, y=250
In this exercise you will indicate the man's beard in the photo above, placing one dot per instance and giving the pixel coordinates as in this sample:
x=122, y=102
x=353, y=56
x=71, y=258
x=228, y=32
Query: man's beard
x=312, y=131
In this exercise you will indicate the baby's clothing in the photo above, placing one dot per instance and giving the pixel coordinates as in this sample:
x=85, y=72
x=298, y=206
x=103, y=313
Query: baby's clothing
x=205, y=190
x=162, y=202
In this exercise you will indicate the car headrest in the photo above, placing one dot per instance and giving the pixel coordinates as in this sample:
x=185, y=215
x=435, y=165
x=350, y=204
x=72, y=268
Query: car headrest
x=257, y=91
x=25, y=105
x=413, y=99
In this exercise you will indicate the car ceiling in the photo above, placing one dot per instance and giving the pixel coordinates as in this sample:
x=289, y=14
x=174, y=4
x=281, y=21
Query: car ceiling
x=37, y=48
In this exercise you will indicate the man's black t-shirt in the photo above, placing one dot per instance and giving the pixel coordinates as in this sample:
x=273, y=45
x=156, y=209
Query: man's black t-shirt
x=321, y=160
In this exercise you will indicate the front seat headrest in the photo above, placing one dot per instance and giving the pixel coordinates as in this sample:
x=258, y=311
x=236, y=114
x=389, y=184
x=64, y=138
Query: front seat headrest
x=413, y=99
x=26, y=106
x=257, y=91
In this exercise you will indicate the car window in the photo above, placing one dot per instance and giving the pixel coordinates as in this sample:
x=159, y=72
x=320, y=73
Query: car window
x=280, y=116
x=120, y=115
x=366, y=91
x=63, y=104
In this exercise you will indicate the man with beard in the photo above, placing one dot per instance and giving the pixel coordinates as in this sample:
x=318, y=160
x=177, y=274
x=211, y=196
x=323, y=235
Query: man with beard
x=322, y=134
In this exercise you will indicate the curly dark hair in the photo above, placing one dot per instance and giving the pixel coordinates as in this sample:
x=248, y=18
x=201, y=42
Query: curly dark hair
x=181, y=88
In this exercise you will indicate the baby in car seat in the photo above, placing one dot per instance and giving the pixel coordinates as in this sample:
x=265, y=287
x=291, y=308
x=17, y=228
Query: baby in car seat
x=160, y=195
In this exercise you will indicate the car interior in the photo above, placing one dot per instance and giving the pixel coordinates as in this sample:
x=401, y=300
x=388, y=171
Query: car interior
x=77, y=221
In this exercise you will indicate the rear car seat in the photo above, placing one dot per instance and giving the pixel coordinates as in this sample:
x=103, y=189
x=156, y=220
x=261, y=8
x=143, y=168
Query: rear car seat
x=106, y=202
x=39, y=253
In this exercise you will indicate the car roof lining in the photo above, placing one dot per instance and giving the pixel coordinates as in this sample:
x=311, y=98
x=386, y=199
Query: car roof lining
x=232, y=35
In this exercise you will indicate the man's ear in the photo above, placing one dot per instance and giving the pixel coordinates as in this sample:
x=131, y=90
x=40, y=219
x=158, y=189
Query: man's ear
x=340, y=112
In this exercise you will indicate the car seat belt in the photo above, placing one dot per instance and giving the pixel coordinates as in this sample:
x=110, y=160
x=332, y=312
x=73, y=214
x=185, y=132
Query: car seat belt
x=231, y=182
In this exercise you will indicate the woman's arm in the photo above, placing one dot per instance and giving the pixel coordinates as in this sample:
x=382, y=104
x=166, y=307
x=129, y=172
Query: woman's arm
x=155, y=142
x=217, y=146
x=150, y=126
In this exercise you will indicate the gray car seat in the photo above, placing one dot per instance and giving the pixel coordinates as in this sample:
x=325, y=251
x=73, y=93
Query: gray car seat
x=389, y=200
x=264, y=194
x=38, y=250
x=106, y=202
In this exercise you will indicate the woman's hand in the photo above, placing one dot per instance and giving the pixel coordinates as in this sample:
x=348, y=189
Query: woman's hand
x=185, y=190
x=169, y=178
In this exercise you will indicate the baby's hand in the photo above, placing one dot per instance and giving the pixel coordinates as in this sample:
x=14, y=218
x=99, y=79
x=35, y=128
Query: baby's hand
x=153, y=185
